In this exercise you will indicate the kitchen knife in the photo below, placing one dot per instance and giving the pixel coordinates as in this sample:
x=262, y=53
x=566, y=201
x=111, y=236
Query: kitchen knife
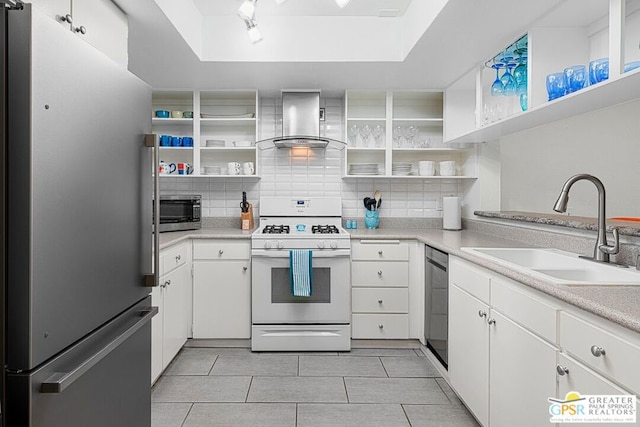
x=244, y=206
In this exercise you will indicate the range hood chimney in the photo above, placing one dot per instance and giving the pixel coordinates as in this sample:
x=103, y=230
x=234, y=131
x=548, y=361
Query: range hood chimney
x=300, y=123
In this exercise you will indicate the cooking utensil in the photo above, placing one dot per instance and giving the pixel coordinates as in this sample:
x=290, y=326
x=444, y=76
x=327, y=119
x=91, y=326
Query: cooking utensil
x=366, y=201
x=244, y=206
x=377, y=196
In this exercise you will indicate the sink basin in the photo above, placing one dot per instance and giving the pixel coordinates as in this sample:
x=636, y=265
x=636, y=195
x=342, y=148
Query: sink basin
x=605, y=275
x=530, y=257
x=559, y=266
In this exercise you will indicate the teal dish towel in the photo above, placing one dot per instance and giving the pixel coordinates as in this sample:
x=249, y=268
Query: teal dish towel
x=301, y=272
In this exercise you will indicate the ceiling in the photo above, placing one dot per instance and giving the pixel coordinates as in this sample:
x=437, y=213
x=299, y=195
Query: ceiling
x=169, y=50
x=306, y=7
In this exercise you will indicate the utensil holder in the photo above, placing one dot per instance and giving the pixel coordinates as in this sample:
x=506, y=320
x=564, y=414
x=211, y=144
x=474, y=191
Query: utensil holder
x=371, y=219
x=246, y=219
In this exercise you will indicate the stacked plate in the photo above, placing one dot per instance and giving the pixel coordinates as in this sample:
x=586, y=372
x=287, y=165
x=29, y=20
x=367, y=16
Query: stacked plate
x=212, y=170
x=215, y=143
x=363, y=169
x=401, y=168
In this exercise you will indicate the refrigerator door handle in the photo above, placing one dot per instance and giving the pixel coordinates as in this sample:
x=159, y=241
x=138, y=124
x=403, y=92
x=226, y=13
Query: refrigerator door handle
x=59, y=381
x=151, y=141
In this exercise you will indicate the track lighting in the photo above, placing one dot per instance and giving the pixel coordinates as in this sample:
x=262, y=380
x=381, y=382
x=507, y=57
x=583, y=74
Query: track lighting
x=253, y=31
x=247, y=9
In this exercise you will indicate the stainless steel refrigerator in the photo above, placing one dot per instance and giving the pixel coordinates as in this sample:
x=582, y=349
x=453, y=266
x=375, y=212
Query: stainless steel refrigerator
x=77, y=231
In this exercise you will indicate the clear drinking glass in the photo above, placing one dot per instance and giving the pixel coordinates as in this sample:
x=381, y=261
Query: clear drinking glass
x=365, y=133
x=377, y=131
x=352, y=133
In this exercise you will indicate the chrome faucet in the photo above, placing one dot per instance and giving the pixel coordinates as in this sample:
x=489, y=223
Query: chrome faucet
x=602, y=249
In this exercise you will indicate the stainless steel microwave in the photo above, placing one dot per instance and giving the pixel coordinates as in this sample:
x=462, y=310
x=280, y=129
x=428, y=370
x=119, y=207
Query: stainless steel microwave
x=180, y=212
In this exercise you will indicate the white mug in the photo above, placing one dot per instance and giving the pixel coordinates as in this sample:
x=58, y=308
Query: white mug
x=233, y=168
x=247, y=168
x=427, y=168
x=448, y=168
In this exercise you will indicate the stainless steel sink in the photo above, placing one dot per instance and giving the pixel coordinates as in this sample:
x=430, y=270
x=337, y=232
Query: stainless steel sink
x=559, y=266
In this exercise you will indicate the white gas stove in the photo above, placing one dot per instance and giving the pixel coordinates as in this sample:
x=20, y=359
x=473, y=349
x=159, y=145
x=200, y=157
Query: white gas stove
x=300, y=223
x=281, y=321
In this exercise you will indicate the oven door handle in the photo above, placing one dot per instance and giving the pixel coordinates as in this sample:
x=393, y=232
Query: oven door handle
x=316, y=254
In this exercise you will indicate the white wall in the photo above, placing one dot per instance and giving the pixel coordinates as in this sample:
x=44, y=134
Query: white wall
x=605, y=143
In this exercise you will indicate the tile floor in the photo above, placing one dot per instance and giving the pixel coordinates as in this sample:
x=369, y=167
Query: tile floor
x=384, y=387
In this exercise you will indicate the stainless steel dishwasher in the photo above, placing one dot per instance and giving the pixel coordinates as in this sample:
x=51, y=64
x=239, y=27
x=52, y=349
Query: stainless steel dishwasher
x=436, y=302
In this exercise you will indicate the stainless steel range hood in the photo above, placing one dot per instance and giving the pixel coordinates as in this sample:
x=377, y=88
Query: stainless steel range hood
x=300, y=124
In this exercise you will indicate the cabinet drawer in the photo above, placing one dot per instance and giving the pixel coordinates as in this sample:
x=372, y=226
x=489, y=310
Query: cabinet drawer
x=221, y=249
x=472, y=279
x=369, y=273
x=524, y=309
x=380, y=326
x=172, y=258
x=380, y=300
x=380, y=250
x=620, y=361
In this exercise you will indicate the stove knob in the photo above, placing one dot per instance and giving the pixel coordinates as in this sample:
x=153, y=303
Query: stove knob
x=333, y=244
x=267, y=245
x=280, y=244
x=321, y=244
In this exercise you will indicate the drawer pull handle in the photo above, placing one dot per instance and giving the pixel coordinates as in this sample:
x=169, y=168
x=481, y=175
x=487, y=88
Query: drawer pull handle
x=562, y=370
x=379, y=272
x=379, y=301
x=482, y=313
x=380, y=253
x=491, y=321
x=245, y=268
x=167, y=283
x=178, y=257
x=81, y=29
x=220, y=252
x=597, y=351
x=67, y=18
x=380, y=327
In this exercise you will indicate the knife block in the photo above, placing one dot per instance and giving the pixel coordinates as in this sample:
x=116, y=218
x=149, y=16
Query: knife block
x=246, y=219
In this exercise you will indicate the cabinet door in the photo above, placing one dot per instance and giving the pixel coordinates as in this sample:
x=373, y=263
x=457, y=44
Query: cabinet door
x=221, y=299
x=157, y=342
x=176, y=320
x=106, y=27
x=522, y=375
x=469, y=351
x=583, y=380
x=55, y=9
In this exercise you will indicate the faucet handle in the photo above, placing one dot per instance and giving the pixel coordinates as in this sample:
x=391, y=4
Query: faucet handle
x=612, y=249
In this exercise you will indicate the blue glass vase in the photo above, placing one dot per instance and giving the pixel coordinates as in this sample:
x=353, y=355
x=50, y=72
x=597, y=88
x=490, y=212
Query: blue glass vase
x=371, y=219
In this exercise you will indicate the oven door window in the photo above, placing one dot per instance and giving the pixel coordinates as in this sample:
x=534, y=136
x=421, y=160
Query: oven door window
x=281, y=287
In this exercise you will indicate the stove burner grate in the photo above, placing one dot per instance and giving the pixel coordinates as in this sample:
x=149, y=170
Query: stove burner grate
x=276, y=229
x=324, y=229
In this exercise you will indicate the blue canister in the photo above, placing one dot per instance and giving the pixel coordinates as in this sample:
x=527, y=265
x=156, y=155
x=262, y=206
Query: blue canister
x=371, y=219
x=187, y=141
x=165, y=140
x=176, y=141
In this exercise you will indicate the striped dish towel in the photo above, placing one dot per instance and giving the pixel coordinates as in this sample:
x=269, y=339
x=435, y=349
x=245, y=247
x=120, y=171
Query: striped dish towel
x=301, y=272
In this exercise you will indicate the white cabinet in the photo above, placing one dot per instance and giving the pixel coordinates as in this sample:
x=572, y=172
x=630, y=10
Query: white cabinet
x=380, y=277
x=387, y=127
x=99, y=22
x=491, y=354
x=224, y=128
x=172, y=325
x=604, y=29
x=518, y=357
x=221, y=289
x=469, y=351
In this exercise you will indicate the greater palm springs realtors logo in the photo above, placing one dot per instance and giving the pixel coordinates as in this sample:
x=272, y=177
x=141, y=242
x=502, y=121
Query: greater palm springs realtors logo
x=576, y=408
